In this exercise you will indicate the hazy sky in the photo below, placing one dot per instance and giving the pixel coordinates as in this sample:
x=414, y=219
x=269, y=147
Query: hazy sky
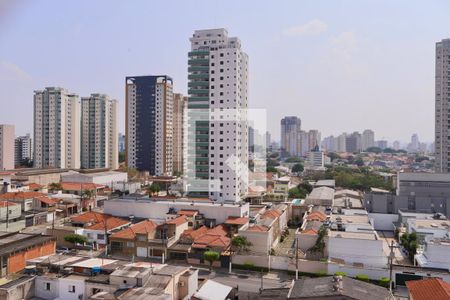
x=338, y=65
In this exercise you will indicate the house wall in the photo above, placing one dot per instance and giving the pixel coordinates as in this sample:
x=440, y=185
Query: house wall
x=367, y=252
x=261, y=240
x=41, y=292
x=17, y=261
x=24, y=290
x=306, y=241
x=89, y=286
x=64, y=284
x=383, y=221
x=60, y=233
x=157, y=210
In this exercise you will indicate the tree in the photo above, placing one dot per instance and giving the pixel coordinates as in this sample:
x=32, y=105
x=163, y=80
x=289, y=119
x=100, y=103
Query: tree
x=55, y=186
x=333, y=156
x=409, y=241
x=270, y=169
x=297, y=168
x=293, y=159
x=75, y=238
x=297, y=193
x=306, y=186
x=211, y=257
x=153, y=189
x=240, y=243
x=374, y=150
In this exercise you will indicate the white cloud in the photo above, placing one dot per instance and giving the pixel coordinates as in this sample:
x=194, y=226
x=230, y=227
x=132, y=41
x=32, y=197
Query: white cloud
x=12, y=72
x=345, y=44
x=313, y=27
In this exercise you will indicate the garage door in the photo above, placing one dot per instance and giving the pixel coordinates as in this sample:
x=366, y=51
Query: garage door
x=141, y=251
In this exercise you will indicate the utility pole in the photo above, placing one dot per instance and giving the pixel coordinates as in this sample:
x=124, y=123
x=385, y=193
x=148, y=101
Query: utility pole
x=391, y=259
x=262, y=282
x=296, y=258
x=7, y=215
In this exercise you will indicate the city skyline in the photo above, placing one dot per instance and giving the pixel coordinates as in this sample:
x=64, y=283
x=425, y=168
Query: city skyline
x=307, y=40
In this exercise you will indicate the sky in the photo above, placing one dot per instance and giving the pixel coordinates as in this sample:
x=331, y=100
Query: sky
x=341, y=66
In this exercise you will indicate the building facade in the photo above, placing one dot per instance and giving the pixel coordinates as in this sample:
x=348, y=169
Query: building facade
x=23, y=149
x=442, y=98
x=367, y=139
x=149, y=124
x=290, y=136
x=217, y=116
x=314, y=139
x=179, y=111
x=56, y=129
x=6, y=147
x=99, y=144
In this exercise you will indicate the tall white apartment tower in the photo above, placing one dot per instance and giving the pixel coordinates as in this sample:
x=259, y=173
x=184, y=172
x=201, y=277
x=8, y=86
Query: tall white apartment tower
x=368, y=139
x=179, y=110
x=218, y=91
x=6, y=147
x=99, y=138
x=442, y=112
x=56, y=129
x=290, y=136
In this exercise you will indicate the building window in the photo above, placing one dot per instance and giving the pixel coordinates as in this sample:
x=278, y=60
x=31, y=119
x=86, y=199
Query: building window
x=47, y=286
x=71, y=289
x=100, y=236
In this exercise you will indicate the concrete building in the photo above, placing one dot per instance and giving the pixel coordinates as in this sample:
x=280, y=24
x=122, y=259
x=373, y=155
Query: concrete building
x=290, y=136
x=6, y=147
x=179, y=112
x=353, y=142
x=16, y=248
x=217, y=164
x=313, y=139
x=435, y=254
x=99, y=144
x=367, y=139
x=149, y=124
x=341, y=143
x=316, y=159
x=156, y=209
x=382, y=144
x=442, y=97
x=419, y=192
x=304, y=142
x=23, y=150
x=329, y=144
x=56, y=129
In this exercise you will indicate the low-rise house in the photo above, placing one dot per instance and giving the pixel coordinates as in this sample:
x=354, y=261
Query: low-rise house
x=427, y=229
x=282, y=185
x=20, y=288
x=435, y=254
x=265, y=232
x=10, y=216
x=428, y=289
x=16, y=248
x=323, y=196
x=212, y=290
x=148, y=239
x=96, y=226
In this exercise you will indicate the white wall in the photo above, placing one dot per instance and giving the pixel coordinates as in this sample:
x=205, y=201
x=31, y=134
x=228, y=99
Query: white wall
x=383, y=221
x=41, y=292
x=157, y=210
x=367, y=252
x=64, y=284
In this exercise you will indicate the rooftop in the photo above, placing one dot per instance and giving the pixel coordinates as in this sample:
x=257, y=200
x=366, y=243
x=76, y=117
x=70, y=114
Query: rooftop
x=429, y=289
x=322, y=192
x=431, y=224
x=15, y=241
x=353, y=235
x=129, y=233
x=212, y=290
x=306, y=288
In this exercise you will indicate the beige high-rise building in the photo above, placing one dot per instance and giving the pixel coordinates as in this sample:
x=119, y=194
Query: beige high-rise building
x=179, y=111
x=6, y=147
x=442, y=86
x=99, y=138
x=367, y=139
x=56, y=129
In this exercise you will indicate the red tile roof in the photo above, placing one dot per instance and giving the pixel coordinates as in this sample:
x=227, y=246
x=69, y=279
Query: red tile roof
x=191, y=233
x=316, y=216
x=177, y=221
x=47, y=200
x=236, y=220
x=34, y=186
x=309, y=231
x=76, y=186
x=272, y=213
x=20, y=195
x=185, y=212
x=429, y=289
x=7, y=203
x=129, y=233
x=98, y=221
